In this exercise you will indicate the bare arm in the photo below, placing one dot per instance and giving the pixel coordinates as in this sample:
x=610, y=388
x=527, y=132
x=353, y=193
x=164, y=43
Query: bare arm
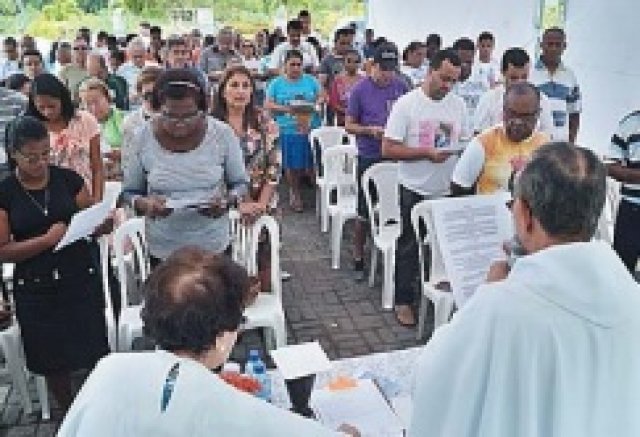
x=270, y=105
x=574, y=125
x=14, y=251
x=624, y=174
x=354, y=128
x=97, y=169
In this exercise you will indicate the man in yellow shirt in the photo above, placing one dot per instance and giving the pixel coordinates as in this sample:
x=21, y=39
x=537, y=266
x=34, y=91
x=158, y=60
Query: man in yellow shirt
x=491, y=158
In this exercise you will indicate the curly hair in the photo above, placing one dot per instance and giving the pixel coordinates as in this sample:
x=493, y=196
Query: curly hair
x=192, y=298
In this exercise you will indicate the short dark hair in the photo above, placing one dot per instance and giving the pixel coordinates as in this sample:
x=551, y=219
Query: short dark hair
x=10, y=41
x=464, y=44
x=293, y=54
x=412, y=47
x=341, y=32
x=485, y=36
x=193, y=297
x=521, y=88
x=22, y=130
x=171, y=86
x=434, y=38
x=16, y=81
x=155, y=29
x=175, y=40
x=564, y=186
x=516, y=56
x=46, y=84
x=31, y=52
x=304, y=13
x=294, y=24
x=117, y=54
x=444, y=55
x=554, y=29
x=102, y=35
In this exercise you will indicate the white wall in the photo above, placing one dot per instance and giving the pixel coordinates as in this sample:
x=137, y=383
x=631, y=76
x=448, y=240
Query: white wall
x=511, y=21
x=603, y=45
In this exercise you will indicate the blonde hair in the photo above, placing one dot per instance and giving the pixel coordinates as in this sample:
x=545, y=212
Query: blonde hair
x=95, y=84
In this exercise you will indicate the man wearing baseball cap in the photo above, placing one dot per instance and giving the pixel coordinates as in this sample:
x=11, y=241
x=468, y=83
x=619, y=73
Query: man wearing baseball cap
x=369, y=107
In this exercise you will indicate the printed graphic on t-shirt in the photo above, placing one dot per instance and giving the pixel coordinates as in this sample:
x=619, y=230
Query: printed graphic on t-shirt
x=433, y=133
x=559, y=118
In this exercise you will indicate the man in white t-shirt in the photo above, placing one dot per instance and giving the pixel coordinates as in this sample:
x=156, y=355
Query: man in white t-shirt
x=422, y=132
x=487, y=66
x=515, y=68
x=560, y=85
x=294, y=41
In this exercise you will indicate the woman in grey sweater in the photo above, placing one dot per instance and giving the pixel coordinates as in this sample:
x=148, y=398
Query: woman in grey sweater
x=184, y=168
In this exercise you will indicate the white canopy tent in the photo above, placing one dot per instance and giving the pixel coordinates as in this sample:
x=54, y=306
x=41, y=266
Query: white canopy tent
x=601, y=36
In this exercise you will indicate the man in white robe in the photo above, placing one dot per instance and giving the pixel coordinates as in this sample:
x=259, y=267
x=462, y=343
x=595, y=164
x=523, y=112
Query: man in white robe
x=550, y=347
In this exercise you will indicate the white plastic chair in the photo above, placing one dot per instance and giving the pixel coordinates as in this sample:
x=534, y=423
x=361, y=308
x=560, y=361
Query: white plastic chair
x=130, y=233
x=14, y=365
x=320, y=139
x=340, y=172
x=606, y=223
x=385, y=221
x=443, y=301
x=267, y=311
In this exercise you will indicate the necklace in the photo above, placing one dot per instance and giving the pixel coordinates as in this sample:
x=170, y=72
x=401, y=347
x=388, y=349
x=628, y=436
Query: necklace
x=43, y=208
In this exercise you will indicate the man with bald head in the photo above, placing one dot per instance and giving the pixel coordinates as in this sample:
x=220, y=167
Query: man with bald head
x=97, y=67
x=491, y=158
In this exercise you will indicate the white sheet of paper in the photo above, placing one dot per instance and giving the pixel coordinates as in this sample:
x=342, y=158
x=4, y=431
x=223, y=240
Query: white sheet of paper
x=185, y=203
x=84, y=223
x=300, y=360
x=363, y=407
x=471, y=231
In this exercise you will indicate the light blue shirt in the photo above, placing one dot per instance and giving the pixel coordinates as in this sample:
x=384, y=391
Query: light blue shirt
x=282, y=91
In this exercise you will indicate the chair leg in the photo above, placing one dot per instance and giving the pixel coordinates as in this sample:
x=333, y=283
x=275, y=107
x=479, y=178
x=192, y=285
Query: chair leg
x=373, y=266
x=269, y=336
x=336, y=237
x=422, y=316
x=324, y=210
x=280, y=331
x=43, y=396
x=387, y=284
x=10, y=344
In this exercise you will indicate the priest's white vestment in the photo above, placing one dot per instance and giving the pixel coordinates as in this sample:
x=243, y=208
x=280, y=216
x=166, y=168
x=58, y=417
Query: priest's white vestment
x=551, y=351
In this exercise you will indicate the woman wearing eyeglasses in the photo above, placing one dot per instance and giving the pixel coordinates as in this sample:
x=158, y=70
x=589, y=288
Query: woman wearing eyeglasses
x=286, y=97
x=58, y=294
x=95, y=98
x=74, y=134
x=183, y=170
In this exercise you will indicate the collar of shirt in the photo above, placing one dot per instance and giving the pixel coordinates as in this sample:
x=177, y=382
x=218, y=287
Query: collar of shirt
x=539, y=65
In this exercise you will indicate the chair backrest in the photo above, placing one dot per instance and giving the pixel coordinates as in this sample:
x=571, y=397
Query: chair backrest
x=112, y=190
x=383, y=178
x=130, y=236
x=322, y=138
x=105, y=264
x=424, y=228
x=340, y=170
x=267, y=224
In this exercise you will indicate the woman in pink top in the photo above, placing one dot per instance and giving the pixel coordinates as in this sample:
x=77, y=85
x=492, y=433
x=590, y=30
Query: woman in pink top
x=74, y=134
x=342, y=83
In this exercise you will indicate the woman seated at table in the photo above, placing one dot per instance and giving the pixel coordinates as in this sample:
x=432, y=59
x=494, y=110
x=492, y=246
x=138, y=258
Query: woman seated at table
x=257, y=134
x=58, y=295
x=95, y=98
x=183, y=169
x=294, y=86
x=193, y=308
x=74, y=134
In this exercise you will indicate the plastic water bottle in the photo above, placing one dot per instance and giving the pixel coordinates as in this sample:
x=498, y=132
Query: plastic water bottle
x=260, y=373
x=256, y=368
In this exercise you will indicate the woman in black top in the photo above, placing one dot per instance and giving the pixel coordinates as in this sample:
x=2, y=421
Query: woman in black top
x=58, y=295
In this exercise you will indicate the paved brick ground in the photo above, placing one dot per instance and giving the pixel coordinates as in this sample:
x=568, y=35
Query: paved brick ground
x=320, y=304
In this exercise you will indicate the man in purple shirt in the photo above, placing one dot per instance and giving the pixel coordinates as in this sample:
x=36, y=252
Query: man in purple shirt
x=369, y=106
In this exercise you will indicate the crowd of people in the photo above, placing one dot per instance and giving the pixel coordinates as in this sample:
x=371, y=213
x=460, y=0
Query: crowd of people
x=213, y=123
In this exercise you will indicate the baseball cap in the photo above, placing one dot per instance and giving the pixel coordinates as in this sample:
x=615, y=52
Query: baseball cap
x=386, y=56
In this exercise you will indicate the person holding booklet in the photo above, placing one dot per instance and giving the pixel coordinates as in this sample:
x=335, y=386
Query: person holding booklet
x=183, y=169
x=58, y=294
x=491, y=159
x=423, y=133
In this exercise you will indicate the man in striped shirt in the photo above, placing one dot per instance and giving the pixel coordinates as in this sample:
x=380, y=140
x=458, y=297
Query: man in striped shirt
x=625, y=167
x=559, y=84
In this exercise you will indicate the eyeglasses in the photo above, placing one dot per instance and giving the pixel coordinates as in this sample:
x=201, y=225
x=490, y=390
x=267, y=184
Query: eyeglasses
x=182, y=119
x=83, y=48
x=33, y=158
x=247, y=46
